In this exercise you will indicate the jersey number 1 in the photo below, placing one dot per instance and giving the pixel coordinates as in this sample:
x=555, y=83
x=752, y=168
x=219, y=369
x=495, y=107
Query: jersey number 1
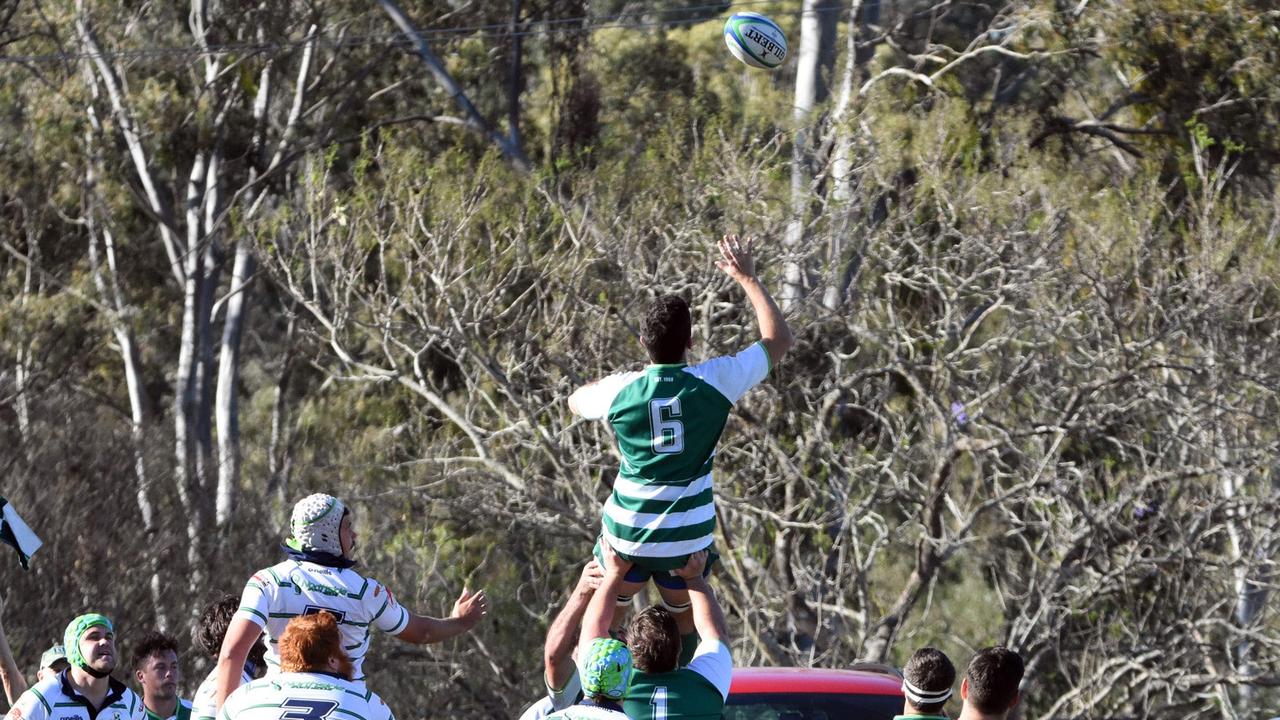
x=658, y=703
x=668, y=431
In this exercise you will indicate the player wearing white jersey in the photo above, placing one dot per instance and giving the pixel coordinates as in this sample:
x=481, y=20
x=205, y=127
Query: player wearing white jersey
x=667, y=420
x=314, y=682
x=85, y=690
x=208, y=636
x=318, y=577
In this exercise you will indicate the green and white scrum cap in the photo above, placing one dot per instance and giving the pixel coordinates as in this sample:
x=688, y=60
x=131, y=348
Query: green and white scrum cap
x=71, y=640
x=315, y=523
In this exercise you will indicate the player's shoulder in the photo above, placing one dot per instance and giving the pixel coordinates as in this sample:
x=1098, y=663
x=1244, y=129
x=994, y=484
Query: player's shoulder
x=39, y=699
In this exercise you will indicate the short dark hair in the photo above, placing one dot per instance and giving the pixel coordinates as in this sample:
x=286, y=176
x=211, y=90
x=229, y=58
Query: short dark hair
x=654, y=639
x=930, y=670
x=994, y=674
x=152, y=644
x=214, y=622
x=667, y=329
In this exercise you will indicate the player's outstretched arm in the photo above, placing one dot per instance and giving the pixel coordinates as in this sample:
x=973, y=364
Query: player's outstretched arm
x=708, y=618
x=240, y=637
x=599, y=614
x=557, y=651
x=738, y=263
x=14, y=683
x=468, y=610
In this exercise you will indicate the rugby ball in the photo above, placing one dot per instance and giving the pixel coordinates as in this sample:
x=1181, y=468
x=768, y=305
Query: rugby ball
x=755, y=40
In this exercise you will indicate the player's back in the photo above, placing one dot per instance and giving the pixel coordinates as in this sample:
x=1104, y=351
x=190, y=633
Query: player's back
x=286, y=590
x=304, y=696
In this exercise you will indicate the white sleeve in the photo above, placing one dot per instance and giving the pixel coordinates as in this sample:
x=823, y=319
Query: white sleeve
x=593, y=401
x=713, y=662
x=388, y=615
x=734, y=375
x=378, y=709
x=539, y=710
x=255, y=601
x=30, y=705
x=567, y=695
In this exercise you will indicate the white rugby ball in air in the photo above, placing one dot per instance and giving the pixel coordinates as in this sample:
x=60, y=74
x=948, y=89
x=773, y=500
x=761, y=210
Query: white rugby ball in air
x=755, y=40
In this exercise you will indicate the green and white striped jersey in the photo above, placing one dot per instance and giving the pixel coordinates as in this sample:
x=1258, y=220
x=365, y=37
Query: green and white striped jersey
x=304, y=696
x=54, y=698
x=667, y=420
x=292, y=588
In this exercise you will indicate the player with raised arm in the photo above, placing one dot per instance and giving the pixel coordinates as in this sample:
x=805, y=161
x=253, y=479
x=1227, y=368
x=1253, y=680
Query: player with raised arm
x=661, y=689
x=604, y=663
x=86, y=687
x=559, y=672
x=318, y=576
x=314, y=682
x=668, y=419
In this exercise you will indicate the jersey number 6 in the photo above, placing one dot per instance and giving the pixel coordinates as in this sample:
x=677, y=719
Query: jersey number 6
x=668, y=432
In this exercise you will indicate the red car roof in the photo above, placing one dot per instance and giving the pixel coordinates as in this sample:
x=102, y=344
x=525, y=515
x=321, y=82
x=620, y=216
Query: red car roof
x=806, y=680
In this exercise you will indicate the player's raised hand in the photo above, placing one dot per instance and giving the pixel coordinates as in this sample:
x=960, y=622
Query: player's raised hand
x=613, y=565
x=470, y=607
x=694, y=566
x=736, y=259
x=592, y=574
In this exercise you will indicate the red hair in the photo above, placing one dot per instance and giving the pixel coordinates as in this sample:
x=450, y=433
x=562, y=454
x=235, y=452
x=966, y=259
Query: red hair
x=309, y=642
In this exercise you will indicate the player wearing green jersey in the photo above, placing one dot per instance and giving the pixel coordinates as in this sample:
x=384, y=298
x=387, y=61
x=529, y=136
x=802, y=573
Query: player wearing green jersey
x=314, y=682
x=667, y=420
x=927, y=681
x=156, y=668
x=661, y=689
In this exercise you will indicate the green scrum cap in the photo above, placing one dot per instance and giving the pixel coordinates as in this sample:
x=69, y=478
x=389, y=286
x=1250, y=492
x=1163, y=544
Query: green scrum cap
x=606, y=669
x=76, y=630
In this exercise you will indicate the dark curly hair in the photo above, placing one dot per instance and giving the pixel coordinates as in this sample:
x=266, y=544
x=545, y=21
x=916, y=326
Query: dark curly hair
x=667, y=329
x=152, y=644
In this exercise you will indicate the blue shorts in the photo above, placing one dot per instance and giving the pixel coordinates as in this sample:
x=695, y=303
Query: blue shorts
x=662, y=578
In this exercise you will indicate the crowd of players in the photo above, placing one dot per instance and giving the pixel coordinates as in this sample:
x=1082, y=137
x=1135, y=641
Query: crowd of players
x=292, y=646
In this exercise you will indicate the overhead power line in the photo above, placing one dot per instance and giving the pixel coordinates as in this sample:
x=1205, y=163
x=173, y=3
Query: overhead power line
x=496, y=31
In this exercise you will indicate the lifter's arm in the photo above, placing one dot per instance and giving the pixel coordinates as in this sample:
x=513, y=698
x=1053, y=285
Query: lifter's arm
x=240, y=637
x=599, y=614
x=708, y=618
x=562, y=636
x=738, y=263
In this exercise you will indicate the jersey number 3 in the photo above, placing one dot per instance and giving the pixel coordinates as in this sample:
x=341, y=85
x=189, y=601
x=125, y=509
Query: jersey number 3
x=300, y=709
x=668, y=430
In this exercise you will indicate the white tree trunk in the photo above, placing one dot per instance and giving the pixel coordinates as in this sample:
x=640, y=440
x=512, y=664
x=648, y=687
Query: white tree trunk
x=227, y=412
x=842, y=166
x=817, y=39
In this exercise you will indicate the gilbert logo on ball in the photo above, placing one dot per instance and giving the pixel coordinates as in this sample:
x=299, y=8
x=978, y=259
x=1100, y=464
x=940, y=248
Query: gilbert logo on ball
x=755, y=40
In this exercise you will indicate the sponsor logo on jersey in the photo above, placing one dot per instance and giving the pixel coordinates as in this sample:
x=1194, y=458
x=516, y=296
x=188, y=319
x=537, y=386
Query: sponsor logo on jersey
x=15, y=713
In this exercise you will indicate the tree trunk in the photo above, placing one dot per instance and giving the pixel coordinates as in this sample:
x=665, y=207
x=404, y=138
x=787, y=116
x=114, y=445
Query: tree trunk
x=815, y=58
x=838, y=275
x=228, y=378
